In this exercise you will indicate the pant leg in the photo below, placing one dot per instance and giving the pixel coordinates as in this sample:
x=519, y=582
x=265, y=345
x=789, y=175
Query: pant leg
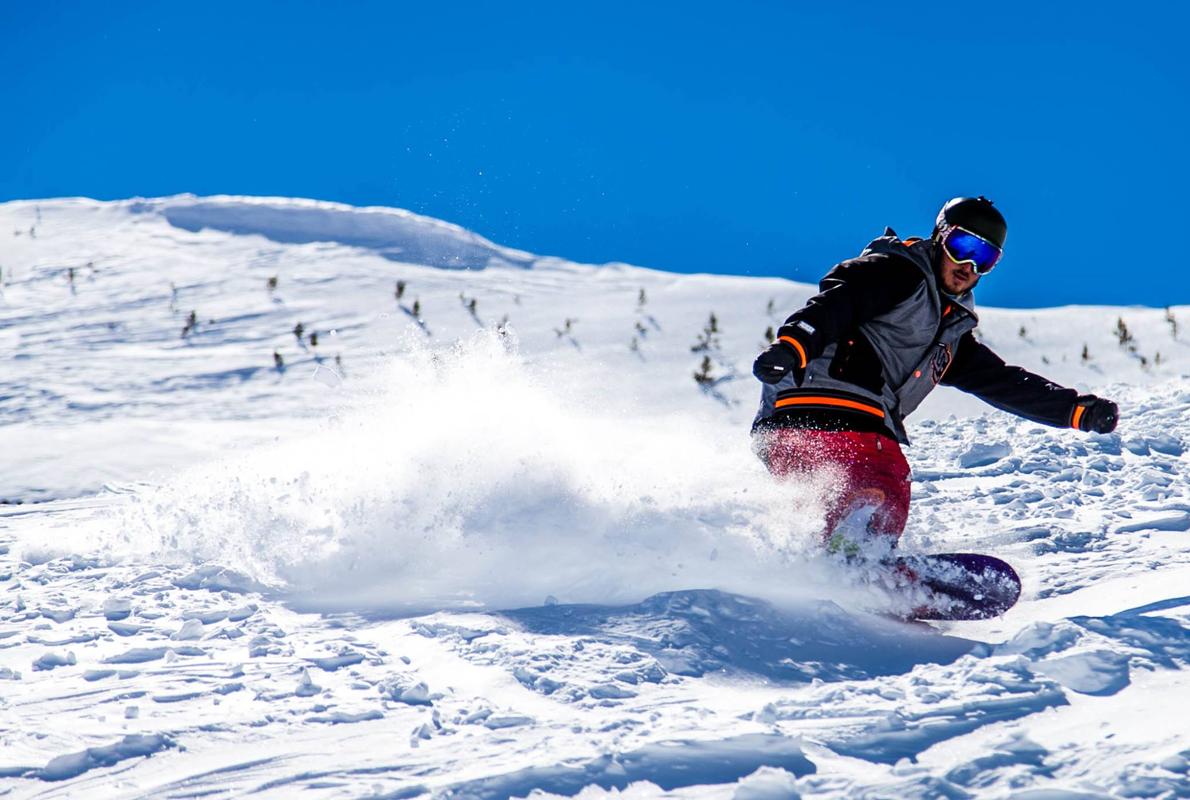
x=873, y=470
x=879, y=476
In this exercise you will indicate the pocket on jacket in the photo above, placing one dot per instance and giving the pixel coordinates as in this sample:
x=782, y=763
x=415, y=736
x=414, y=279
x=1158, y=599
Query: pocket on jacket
x=856, y=362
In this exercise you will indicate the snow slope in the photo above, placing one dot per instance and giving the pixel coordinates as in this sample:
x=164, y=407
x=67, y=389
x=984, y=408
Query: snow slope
x=511, y=546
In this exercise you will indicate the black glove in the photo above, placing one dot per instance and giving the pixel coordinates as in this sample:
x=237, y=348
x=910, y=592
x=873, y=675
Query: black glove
x=1098, y=415
x=783, y=357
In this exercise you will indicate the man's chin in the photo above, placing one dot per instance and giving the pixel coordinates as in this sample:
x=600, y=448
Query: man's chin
x=963, y=287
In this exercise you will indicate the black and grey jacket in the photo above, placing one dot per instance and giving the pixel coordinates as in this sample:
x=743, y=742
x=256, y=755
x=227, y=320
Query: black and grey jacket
x=880, y=335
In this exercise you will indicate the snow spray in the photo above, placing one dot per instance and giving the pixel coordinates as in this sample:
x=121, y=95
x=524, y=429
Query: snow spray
x=469, y=478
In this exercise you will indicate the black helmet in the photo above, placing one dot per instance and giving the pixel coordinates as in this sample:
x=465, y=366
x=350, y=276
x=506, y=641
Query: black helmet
x=976, y=214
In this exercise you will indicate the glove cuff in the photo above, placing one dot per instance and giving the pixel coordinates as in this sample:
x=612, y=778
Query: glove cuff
x=1078, y=416
x=791, y=337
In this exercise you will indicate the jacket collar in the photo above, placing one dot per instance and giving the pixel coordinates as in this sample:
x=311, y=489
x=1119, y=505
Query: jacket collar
x=921, y=253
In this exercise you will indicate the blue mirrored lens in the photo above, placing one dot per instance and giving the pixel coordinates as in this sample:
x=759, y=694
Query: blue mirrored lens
x=963, y=246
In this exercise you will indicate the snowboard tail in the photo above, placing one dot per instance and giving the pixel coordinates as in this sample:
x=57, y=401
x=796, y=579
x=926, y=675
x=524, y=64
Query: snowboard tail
x=959, y=586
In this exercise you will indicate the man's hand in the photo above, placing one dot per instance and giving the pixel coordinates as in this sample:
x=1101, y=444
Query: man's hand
x=1096, y=415
x=785, y=356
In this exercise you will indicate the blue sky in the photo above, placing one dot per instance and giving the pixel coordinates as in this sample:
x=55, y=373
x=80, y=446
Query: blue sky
x=747, y=138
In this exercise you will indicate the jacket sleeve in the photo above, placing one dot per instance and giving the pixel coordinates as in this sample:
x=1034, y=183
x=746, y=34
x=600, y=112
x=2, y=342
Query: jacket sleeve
x=852, y=292
x=976, y=369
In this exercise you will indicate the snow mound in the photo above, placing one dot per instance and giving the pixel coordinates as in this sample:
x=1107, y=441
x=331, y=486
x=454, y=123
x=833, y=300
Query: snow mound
x=396, y=234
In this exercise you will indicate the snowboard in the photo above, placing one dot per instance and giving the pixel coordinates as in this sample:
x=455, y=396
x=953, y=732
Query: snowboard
x=956, y=586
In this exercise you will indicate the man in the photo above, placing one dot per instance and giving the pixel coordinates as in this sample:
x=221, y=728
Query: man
x=886, y=328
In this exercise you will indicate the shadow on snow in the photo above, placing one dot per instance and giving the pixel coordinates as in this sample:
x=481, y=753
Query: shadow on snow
x=697, y=632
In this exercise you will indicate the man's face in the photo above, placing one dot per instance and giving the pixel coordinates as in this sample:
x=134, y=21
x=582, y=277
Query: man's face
x=955, y=278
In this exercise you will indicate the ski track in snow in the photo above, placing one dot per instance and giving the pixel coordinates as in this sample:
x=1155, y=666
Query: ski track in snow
x=465, y=564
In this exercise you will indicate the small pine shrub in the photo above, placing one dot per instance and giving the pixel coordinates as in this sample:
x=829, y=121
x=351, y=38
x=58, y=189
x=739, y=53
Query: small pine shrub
x=191, y=324
x=1123, y=335
x=708, y=339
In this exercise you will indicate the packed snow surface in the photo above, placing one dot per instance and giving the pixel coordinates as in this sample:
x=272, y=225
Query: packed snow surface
x=307, y=499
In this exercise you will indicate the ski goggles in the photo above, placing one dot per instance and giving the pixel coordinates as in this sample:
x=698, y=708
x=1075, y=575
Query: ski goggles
x=965, y=247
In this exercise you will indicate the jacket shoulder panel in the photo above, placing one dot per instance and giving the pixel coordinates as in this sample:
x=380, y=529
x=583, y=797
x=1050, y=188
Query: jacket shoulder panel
x=875, y=272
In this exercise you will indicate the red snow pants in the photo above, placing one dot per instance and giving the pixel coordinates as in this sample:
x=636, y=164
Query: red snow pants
x=873, y=469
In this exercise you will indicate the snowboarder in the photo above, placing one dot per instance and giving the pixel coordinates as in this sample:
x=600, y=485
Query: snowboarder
x=885, y=328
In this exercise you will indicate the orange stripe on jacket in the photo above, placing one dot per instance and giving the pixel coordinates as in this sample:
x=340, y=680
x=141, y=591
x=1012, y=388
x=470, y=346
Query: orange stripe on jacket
x=830, y=401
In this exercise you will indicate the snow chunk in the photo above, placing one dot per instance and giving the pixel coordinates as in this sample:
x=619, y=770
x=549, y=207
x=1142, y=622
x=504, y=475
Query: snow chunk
x=610, y=691
x=241, y=612
x=345, y=718
x=218, y=579
x=1099, y=672
x=51, y=660
x=1136, y=445
x=402, y=689
x=499, y=721
x=207, y=617
x=191, y=629
x=124, y=628
x=306, y=687
x=347, y=658
x=1166, y=444
x=117, y=608
x=72, y=765
x=139, y=655
x=421, y=733
x=180, y=697
x=58, y=615
x=1041, y=639
x=768, y=783
x=981, y=455
x=1172, y=522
